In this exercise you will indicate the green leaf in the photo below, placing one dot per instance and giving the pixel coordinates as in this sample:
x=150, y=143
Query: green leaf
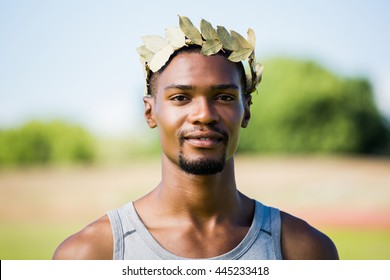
x=240, y=55
x=145, y=53
x=226, y=39
x=154, y=43
x=175, y=37
x=190, y=30
x=241, y=41
x=251, y=37
x=160, y=58
x=211, y=47
x=208, y=32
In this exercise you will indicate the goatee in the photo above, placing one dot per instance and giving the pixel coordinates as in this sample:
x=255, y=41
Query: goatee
x=203, y=166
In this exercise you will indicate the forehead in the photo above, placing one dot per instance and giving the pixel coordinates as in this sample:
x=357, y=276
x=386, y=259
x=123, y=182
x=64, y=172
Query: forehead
x=198, y=70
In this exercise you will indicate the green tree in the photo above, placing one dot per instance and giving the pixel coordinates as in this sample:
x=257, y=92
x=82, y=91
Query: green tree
x=44, y=143
x=303, y=108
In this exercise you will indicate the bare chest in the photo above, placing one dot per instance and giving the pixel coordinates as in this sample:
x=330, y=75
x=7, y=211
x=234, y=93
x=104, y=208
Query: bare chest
x=195, y=243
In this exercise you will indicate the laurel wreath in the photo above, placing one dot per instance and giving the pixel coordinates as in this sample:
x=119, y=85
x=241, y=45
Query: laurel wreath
x=157, y=50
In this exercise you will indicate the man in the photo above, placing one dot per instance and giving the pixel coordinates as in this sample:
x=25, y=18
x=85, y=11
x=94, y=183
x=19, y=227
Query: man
x=198, y=96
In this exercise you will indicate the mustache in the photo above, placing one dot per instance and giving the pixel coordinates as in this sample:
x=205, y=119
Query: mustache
x=224, y=134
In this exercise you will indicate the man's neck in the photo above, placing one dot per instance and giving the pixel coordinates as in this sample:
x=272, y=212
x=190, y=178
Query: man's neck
x=194, y=196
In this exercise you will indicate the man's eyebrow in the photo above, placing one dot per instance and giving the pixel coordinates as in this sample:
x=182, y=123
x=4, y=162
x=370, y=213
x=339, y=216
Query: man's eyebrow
x=213, y=87
x=225, y=86
x=181, y=87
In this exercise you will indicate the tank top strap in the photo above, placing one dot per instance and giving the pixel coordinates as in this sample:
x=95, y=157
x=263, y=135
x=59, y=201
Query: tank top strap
x=121, y=227
x=271, y=224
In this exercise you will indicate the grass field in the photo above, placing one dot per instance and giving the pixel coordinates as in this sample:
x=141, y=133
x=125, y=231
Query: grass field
x=347, y=198
x=361, y=244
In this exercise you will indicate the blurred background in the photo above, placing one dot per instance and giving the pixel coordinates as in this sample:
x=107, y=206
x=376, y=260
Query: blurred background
x=73, y=142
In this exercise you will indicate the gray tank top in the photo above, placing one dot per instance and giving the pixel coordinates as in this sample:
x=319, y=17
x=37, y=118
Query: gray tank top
x=132, y=240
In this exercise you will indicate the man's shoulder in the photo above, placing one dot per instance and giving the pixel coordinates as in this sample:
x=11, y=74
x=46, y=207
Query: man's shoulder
x=95, y=241
x=302, y=241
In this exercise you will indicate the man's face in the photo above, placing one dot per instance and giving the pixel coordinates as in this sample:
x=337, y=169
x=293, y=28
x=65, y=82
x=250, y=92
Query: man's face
x=199, y=109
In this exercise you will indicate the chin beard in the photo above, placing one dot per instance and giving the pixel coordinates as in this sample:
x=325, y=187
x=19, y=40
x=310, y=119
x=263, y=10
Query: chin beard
x=202, y=166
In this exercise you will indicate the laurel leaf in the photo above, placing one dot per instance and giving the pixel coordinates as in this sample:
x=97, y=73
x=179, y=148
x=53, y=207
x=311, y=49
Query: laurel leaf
x=160, y=58
x=145, y=70
x=211, y=47
x=154, y=43
x=190, y=30
x=249, y=84
x=175, y=37
x=241, y=41
x=259, y=73
x=145, y=53
x=240, y=55
x=226, y=39
x=252, y=62
x=251, y=37
x=208, y=32
x=157, y=50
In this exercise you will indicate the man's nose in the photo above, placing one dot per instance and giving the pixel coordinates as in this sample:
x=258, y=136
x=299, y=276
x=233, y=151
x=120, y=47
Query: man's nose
x=203, y=112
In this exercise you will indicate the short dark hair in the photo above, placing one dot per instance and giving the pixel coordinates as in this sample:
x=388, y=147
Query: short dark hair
x=153, y=77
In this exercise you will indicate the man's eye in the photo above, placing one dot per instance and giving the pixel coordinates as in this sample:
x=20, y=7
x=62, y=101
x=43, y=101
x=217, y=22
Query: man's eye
x=179, y=98
x=225, y=97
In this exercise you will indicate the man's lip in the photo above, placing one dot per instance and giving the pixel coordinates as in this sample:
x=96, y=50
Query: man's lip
x=204, y=139
x=204, y=135
x=205, y=143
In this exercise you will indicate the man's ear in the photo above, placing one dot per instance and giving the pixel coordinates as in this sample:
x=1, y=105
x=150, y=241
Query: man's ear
x=247, y=110
x=149, y=116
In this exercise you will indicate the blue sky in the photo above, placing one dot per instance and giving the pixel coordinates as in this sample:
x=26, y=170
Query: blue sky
x=76, y=60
